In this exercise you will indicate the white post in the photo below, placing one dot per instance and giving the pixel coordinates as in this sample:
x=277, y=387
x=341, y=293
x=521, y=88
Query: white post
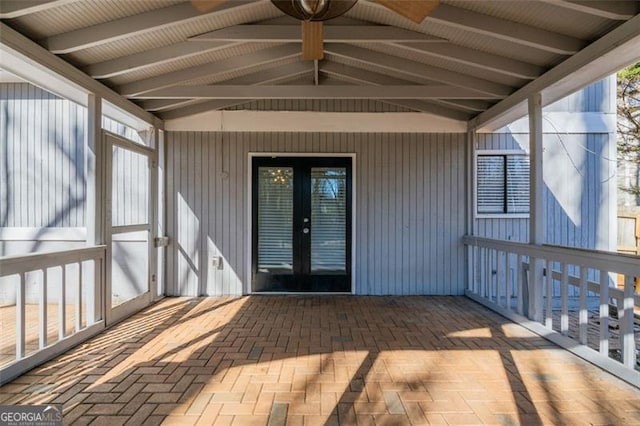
x=470, y=200
x=536, y=209
x=95, y=208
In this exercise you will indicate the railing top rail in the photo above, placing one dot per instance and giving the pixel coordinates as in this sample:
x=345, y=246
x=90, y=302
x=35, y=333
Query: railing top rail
x=11, y=265
x=612, y=262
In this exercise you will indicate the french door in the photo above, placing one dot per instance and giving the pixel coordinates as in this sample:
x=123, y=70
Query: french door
x=301, y=221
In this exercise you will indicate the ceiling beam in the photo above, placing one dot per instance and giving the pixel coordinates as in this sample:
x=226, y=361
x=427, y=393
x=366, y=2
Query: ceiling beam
x=361, y=76
x=475, y=58
x=152, y=57
x=252, y=60
x=401, y=66
x=10, y=9
x=603, y=57
x=200, y=108
x=314, y=92
x=609, y=9
x=505, y=30
x=332, y=33
x=37, y=57
x=424, y=106
x=130, y=26
x=269, y=76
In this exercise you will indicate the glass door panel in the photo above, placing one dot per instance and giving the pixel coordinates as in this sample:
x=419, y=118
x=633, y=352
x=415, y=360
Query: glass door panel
x=275, y=219
x=328, y=219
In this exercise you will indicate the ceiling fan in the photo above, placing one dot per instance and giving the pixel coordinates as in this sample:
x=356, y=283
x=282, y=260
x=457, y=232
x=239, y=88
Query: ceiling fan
x=313, y=12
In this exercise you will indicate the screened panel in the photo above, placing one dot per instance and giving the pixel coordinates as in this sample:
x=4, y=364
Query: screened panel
x=275, y=219
x=491, y=182
x=130, y=190
x=518, y=184
x=328, y=219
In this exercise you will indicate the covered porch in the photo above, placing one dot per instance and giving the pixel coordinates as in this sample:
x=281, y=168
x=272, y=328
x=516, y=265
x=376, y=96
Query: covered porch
x=319, y=360
x=146, y=121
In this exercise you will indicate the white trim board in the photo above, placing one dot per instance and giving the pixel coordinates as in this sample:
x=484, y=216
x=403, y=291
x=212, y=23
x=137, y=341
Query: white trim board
x=249, y=212
x=321, y=122
x=43, y=234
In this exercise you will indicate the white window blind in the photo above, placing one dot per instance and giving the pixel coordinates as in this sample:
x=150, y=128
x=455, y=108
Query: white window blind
x=275, y=219
x=328, y=219
x=502, y=184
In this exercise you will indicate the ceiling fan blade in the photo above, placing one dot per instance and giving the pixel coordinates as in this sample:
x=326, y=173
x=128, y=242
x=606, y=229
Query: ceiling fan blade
x=312, y=40
x=414, y=10
x=207, y=5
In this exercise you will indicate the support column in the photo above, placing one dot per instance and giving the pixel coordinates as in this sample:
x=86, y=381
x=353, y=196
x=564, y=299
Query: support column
x=95, y=203
x=471, y=141
x=536, y=208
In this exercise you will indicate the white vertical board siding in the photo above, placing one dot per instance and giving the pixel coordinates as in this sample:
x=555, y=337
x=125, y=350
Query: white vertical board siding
x=594, y=98
x=409, y=220
x=578, y=171
x=42, y=139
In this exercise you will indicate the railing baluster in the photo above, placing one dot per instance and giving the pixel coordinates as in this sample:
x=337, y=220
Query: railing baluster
x=62, y=304
x=625, y=315
x=520, y=277
x=42, y=318
x=583, y=316
x=548, y=279
x=564, y=299
x=91, y=293
x=498, y=273
x=79, y=299
x=483, y=271
x=604, y=313
x=20, y=317
x=507, y=280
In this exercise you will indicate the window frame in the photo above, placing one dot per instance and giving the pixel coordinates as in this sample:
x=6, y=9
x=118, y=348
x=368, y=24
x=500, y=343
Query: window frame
x=496, y=153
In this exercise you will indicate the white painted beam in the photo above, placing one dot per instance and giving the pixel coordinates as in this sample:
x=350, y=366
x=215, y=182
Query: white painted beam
x=35, y=59
x=135, y=25
x=261, y=57
x=504, y=30
x=400, y=66
x=332, y=33
x=313, y=92
x=10, y=9
x=475, y=58
x=200, y=107
x=610, y=9
x=269, y=76
x=320, y=122
x=152, y=57
x=601, y=58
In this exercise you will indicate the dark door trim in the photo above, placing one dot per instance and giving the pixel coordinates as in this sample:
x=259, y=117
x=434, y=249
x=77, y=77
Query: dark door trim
x=351, y=222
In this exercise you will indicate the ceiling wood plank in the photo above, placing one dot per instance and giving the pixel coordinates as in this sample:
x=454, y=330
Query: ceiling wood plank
x=256, y=59
x=475, y=58
x=134, y=25
x=423, y=106
x=274, y=75
x=152, y=57
x=400, y=66
x=10, y=9
x=505, y=30
x=315, y=92
x=609, y=9
x=604, y=56
x=332, y=33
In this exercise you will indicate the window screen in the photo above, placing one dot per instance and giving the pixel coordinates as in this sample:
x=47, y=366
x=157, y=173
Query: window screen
x=503, y=184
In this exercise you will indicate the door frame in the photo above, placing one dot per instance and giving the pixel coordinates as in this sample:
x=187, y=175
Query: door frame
x=249, y=213
x=128, y=308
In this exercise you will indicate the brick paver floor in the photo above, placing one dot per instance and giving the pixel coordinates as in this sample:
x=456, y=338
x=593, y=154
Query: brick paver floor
x=309, y=360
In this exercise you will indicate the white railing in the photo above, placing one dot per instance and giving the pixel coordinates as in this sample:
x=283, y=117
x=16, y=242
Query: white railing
x=71, y=281
x=570, y=292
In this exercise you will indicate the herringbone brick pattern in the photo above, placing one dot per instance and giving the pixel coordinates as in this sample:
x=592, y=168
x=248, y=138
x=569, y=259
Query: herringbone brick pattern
x=324, y=360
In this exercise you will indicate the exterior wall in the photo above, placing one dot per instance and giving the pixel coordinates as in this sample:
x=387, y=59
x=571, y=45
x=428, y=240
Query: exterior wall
x=579, y=174
x=409, y=211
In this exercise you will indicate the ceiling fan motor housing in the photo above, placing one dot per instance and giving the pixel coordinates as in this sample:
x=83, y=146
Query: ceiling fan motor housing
x=314, y=10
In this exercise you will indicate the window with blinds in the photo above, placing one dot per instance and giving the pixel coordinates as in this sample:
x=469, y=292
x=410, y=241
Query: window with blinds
x=275, y=219
x=328, y=219
x=502, y=184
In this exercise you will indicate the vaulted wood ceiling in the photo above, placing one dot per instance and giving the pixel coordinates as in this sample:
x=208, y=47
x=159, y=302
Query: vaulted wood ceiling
x=175, y=61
